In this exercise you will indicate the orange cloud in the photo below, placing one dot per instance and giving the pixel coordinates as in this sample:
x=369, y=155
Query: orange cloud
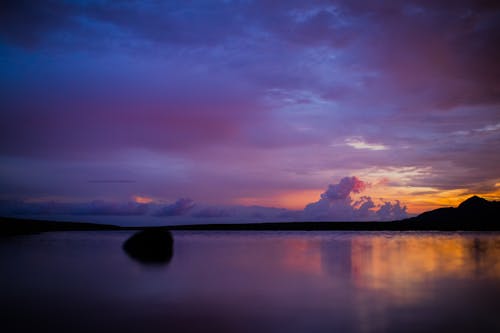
x=142, y=199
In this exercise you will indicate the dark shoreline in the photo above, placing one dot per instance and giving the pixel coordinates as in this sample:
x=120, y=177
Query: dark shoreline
x=474, y=214
x=9, y=226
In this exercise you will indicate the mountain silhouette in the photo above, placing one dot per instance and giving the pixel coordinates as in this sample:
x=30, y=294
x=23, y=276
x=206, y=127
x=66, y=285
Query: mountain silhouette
x=475, y=202
x=475, y=213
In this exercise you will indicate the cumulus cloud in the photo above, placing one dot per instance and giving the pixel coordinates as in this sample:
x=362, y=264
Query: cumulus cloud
x=391, y=211
x=363, y=206
x=343, y=189
x=336, y=204
x=336, y=201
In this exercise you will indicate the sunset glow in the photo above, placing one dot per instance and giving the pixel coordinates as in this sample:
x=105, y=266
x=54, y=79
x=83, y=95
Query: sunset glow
x=202, y=110
x=142, y=200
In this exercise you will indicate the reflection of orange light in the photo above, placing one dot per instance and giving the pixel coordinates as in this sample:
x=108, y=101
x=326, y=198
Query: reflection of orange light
x=398, y=264
x=302, y=255
x=142, y=200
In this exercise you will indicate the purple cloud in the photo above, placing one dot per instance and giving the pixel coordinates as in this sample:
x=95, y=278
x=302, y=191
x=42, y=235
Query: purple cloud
x=336, y=204
x=96, y=207
x=391, y=211
x=343, y=189
x=238, y=100
x=210, y=212
x=178, y=208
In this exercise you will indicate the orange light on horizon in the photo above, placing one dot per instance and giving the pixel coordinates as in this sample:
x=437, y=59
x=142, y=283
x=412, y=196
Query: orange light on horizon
x=290, y=200
x=142, y=199
x=417, y=199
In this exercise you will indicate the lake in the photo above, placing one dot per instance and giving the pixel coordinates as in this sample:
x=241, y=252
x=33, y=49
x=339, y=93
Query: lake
x=253, y=282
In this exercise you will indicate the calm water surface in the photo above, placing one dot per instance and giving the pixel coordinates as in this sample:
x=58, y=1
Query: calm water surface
x=253, y=282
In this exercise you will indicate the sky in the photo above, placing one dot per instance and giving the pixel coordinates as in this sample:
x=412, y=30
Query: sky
x=248, y=110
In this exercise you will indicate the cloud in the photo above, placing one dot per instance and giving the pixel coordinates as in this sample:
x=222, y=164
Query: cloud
x=359, y=143
x=86, y=82
x=242, y=214
x=363, y=206
x=391, y=211
x=180, y=207
x=336, y=204
x=104, y=208
x=52, y=208
x=342, y=190
x=210, y=212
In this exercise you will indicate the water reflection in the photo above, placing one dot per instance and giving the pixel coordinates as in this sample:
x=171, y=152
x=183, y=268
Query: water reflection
x=373, y=259
x=399, y=262
x=368, y=282
x=254, y=282
x=302, y=255
x=389, y=262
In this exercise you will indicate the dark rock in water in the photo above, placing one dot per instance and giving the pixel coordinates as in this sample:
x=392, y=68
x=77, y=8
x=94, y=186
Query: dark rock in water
x=150, y=246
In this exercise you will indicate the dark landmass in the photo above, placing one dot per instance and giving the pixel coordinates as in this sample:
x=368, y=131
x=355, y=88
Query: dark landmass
x=16, y=226
x=474, y=214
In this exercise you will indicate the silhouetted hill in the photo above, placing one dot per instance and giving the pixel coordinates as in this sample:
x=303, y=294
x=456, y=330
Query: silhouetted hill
x=474, y=213
x=475, y=202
